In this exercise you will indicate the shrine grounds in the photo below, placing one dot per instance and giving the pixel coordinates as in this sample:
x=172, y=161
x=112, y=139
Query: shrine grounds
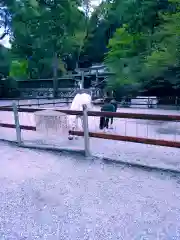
x=61, y=195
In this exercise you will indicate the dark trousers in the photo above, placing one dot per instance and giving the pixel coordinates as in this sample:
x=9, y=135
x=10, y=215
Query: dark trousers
x=104, y=123
x=112, y=117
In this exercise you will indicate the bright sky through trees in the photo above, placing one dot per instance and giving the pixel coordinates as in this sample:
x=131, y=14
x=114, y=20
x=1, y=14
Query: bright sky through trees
x=6, y=43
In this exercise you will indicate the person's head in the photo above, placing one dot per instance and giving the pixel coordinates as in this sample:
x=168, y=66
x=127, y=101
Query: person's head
x=107, y=100
x=113, y=101
x=81, y=91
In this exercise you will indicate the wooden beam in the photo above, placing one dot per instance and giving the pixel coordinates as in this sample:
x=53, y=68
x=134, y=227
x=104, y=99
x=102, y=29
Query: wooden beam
x=157, y=142
x=23, y=127
x=158, y=117
x=28, y=110
x=142, y=116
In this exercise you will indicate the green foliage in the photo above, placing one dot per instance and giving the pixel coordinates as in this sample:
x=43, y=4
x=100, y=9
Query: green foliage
x=98, y=34
x=5, y=60
x=138, y=40
x=19, y=70
x=41, y=29
x=9, y=88
x=142, y=50
x=164, y=56
x=166, y=46
x=125, y=55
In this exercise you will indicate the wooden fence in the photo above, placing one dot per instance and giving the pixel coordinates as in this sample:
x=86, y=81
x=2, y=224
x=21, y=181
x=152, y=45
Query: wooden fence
x=155, y=117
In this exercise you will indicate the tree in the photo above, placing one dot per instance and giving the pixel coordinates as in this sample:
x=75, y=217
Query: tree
x=98, y=34
x=138, y=40
x=42, y=29
x=18, y=70
x=136, y=51
x=165, y=43
x=5, y=61
x=5, y=18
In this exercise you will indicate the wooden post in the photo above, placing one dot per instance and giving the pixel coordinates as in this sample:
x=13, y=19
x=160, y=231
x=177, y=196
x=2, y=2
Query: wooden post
x=55, y=80
x=67, y=101
x=96, y=77
x=86, y=132
x=16, y=120
x=176, y=102
x=82, y=80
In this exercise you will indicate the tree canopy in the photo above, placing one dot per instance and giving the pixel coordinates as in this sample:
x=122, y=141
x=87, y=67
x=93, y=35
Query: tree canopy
x=138, y=40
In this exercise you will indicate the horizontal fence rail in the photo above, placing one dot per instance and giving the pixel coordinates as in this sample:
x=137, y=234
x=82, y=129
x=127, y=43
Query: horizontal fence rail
x=23, y=127
x=33, y=98
x=142, y=116
x=35, y=104
x=38, y=103
x=156, y=142
x=153, y=117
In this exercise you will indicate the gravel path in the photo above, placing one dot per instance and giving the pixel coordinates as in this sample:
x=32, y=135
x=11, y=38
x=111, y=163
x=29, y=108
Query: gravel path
x=53, y=196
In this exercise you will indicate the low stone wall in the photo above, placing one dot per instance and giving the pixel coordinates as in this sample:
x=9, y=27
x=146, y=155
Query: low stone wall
x=51, y=122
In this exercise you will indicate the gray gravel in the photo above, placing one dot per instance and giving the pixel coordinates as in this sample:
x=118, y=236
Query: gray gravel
x=153, y=156
x=48, y=196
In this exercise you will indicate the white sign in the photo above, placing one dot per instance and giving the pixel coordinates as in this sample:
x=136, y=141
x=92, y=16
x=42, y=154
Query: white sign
x=144, y=102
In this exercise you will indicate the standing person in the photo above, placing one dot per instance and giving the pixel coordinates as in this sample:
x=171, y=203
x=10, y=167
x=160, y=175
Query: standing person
x=107, y=107
x=114, y=103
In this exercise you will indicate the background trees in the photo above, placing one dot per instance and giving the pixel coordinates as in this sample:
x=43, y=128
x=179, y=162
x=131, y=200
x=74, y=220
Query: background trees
x=144, y=50
x=138, y=40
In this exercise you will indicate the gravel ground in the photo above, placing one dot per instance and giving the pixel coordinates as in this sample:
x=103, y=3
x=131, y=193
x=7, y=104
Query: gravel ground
x=153, y=156
x=61, y=196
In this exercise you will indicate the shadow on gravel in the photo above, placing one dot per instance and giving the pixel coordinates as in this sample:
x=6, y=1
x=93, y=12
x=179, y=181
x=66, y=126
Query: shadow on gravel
x=80, y=157
x=170, y=129
x=142, y=167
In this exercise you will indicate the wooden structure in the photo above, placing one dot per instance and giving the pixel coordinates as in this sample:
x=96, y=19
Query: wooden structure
x=84, y=78
x=155, y=117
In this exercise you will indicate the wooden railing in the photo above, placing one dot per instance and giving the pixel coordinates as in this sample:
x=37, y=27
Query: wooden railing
x=154, y=117
x=142, y=116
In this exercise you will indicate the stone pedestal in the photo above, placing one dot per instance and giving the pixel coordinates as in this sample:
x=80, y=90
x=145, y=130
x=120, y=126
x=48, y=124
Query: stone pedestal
x=51, y=122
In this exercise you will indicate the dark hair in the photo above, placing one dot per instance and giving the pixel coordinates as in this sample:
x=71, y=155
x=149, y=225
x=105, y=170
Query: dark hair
x=107, y=100
x=81, y=91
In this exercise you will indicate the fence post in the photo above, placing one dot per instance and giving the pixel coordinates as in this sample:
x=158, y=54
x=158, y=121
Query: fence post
x=16, y=120
x=86, y=131
x=176, y=103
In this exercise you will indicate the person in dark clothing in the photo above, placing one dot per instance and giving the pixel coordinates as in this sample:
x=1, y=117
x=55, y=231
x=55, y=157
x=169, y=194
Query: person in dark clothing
x=107, y=107
x=114, y=103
